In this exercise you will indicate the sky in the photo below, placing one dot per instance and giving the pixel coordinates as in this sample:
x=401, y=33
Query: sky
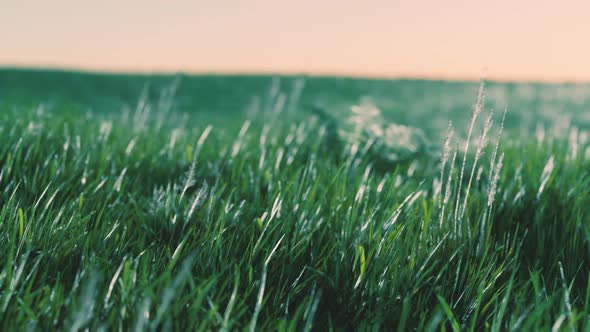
x=451, y=39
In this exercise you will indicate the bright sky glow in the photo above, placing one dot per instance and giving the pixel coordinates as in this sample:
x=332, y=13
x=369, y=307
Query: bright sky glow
x=456, y=39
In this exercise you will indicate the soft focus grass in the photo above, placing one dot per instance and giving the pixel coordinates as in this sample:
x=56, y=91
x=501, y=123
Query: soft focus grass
x=153, y=219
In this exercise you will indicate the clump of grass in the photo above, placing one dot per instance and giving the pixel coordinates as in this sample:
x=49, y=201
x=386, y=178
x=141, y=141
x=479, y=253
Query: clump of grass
x=120, y=222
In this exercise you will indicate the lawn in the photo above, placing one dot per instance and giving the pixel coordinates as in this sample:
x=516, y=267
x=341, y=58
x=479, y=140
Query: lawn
x=159, y=202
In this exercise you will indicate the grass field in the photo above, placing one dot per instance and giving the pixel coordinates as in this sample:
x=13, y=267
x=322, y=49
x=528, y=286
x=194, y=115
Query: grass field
x=260, y=203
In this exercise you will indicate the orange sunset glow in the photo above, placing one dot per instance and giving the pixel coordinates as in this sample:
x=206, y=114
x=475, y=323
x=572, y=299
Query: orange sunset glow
x=514, y=40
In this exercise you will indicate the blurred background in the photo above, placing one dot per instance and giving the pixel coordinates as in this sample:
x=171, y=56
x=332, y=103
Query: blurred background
x=414, y=60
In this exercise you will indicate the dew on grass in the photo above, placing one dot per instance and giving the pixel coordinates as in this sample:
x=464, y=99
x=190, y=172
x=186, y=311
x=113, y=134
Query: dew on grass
x=203, y=137
x=495, y=179
x=119, y=181
x=105, y=130
x=573, y=143
x=545, y=176
x=173, y=137
x=130, y=146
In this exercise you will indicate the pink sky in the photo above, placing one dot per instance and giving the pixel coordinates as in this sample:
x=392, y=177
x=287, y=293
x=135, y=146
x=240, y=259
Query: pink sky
x=456, y=39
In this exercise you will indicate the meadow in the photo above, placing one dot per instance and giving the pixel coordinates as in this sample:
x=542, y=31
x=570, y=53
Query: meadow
x=211, y=202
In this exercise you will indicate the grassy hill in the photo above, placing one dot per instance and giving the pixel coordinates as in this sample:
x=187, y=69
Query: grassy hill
x=263, y=203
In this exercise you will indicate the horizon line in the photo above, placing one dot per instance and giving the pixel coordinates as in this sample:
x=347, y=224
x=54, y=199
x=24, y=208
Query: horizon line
x=291, y=73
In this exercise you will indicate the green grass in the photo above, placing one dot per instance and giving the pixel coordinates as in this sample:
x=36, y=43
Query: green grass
x=172, y=217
